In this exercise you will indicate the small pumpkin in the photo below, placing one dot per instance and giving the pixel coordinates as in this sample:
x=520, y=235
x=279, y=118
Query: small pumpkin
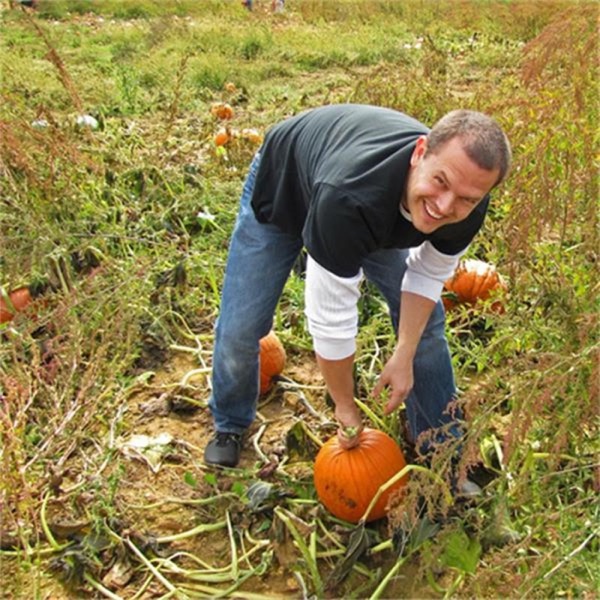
x=221, y=110
x=222, y=137
x=271, y=360
x=20, y=300
x=16, y=301
x=347, y=480
x=472, y=281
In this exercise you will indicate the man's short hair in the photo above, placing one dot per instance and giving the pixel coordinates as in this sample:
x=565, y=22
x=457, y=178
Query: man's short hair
x=483, y=140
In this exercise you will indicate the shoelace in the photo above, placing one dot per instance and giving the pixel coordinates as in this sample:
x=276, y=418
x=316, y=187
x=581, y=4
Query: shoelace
x=223, y=439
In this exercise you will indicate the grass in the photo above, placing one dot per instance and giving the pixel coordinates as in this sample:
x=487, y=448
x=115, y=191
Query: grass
x=128, y=224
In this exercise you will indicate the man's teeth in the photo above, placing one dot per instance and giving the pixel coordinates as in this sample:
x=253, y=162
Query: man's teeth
x=432, y=212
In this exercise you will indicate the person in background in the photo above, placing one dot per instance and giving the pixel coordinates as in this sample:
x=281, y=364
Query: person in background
x=370, y=193
x=276, y=5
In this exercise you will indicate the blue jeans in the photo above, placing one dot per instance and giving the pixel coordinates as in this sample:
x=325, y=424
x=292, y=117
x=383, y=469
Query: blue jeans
x=260, y=260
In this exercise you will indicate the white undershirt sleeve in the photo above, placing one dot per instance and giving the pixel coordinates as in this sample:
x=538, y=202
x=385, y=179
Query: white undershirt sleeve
x=427, y=269
x=331, y=307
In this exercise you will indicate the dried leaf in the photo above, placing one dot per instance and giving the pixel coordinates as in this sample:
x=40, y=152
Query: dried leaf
x=151, y=450
x=358, y=544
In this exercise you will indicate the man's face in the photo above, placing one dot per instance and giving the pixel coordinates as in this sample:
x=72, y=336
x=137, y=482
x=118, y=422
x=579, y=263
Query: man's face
x=444, y=187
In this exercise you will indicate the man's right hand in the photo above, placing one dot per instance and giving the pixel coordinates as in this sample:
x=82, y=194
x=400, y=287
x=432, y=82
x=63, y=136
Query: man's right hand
x=350, y=425
x=348, y=437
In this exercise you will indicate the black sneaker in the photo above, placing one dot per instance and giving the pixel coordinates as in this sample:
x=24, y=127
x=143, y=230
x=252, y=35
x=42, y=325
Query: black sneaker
x=224, y=449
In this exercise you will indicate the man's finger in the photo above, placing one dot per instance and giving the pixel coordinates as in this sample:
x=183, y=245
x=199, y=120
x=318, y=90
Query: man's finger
x=377, y=389
x=394, y=402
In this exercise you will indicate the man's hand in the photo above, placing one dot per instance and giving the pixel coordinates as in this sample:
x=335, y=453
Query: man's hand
x=350, y=424
x=398, y=376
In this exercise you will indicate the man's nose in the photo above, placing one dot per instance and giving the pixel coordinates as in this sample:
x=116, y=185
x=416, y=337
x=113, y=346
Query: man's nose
x=445, y=202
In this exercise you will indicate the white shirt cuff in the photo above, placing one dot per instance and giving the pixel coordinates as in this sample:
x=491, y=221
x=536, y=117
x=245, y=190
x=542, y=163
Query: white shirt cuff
x=422, y=285
x=427, y=269
x=331, y=349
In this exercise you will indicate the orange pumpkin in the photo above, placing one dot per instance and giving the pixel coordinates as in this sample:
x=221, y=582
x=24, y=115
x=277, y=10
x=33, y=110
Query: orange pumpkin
x=221, y=110
x=18, y=301
x=347, y=480
x=222, y=137
x=271, y=360
x=473, y=280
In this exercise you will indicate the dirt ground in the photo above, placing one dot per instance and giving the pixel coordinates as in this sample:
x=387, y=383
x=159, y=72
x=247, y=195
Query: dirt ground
x=158, y=488
x=264, y=449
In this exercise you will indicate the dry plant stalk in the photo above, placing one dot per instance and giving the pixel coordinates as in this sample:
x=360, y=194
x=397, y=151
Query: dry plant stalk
x=553, y=185
x=53, y=56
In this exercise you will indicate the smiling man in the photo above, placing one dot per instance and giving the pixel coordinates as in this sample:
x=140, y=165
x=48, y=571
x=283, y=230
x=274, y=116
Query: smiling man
x=370, y=193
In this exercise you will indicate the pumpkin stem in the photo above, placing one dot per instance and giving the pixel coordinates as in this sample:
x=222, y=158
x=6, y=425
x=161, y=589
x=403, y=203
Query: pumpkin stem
x=349, y=433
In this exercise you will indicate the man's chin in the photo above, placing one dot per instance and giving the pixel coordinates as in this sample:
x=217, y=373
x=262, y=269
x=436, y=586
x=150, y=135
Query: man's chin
x=427, y=228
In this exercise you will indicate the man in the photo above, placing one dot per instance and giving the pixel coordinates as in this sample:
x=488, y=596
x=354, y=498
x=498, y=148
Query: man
x=370, y=193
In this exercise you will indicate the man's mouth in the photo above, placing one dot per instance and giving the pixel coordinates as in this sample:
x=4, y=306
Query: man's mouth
x=432, y=212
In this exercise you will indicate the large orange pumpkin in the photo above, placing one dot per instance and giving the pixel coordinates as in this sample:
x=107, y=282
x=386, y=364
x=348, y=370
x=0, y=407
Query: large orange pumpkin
x=473, y=280
x=272, y=360
x=347, y=480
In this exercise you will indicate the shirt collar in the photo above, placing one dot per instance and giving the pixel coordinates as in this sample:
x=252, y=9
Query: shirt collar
x=405, y=213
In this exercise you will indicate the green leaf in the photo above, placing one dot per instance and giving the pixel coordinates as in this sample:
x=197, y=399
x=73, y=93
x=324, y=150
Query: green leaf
x=461, y=552
x=298, y=444
x=357, y=545
x=210, y=478
x=190, y=479
x=238, y=488
x=264, y=526
x=424, y=530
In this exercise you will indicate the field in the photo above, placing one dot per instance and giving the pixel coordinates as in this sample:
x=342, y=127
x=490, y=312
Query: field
x=116, y=207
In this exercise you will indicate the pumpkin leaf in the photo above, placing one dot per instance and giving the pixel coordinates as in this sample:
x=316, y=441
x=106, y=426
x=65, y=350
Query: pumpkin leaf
x=413, y=535
x=298, y=444
x=257, y=493
x=461, y=552
x=423, y=531
x=357, y=546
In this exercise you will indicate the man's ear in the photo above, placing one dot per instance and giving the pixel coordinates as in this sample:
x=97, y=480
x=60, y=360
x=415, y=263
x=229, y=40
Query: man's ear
x=419, y=151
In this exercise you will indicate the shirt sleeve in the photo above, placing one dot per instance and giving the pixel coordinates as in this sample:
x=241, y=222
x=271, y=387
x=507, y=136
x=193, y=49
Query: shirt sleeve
x=427, y=269
x=331, y=307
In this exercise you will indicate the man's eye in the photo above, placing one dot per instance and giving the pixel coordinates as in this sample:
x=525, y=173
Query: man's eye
x=438, y=180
